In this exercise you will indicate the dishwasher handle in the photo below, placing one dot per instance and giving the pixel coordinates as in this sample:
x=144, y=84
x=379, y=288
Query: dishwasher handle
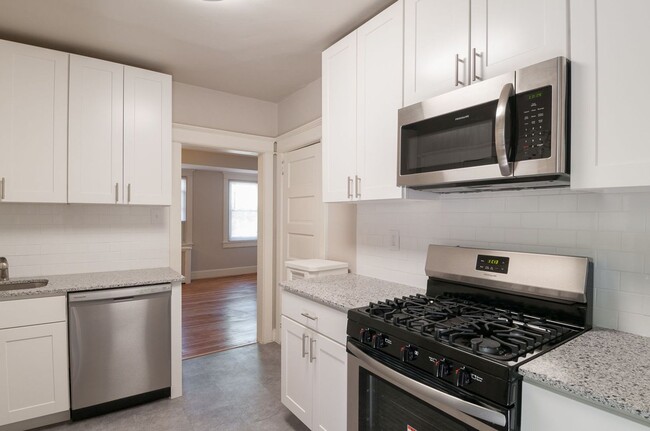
x=120, y=293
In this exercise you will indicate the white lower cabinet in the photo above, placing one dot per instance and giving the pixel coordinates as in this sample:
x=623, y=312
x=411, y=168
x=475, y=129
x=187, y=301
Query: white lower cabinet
x=33, y=359
x=568, y=414
x=314, y=367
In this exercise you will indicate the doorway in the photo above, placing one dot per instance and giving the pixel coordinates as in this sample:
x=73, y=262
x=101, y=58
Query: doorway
x=219, y=242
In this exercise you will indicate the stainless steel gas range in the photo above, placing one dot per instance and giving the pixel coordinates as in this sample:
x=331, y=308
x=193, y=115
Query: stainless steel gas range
x=448, y=360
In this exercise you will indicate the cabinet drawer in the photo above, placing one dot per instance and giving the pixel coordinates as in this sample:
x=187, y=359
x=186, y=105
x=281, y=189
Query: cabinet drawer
x=321, y=318
x=32, y=311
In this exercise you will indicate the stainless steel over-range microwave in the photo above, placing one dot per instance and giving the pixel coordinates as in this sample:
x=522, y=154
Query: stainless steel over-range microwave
x=507, y=132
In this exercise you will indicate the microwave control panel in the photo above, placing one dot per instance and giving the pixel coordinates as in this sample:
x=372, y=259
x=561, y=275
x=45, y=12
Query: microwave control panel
x=534, y=124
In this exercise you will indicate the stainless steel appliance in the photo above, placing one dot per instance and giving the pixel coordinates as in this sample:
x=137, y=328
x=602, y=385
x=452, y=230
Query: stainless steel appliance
x=120, y=348
x=507, y=132
x=448, y=360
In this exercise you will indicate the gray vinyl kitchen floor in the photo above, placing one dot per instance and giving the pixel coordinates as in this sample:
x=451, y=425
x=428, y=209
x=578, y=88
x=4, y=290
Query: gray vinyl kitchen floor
x=238, y=389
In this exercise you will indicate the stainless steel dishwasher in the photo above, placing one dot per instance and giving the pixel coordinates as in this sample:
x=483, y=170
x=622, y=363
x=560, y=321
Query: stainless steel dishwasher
x=120, y=348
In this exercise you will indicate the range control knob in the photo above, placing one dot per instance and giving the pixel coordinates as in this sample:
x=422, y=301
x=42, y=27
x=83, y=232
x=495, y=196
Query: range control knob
x=408, y=353
x=443, y=368
x=379, y=341
x=365, y=335
x=463, y=377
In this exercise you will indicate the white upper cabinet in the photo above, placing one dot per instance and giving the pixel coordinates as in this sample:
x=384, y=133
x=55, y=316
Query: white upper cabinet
x=33, y=123
x=451, y=43
x=362, y=91
x=339, y=64
x=95, y=131
x=379, y=96
x=609, y=109
x=510, y=34
x=147, y=137
x=436, y=43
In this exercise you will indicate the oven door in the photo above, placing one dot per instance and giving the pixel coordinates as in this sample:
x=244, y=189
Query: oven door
x=458, y=137
x=381, y=398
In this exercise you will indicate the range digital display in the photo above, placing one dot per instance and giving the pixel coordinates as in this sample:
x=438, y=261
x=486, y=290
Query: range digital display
x=492, y=263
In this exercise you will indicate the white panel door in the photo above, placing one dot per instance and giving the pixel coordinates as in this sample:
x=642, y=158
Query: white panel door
x=609, y=111
x=33, y=372
x=330, y=385
x=302, y=205
x=435, y=32
x=379, y=89
x=33, y=123
x=510, y=34
x=95, y=131
x=147, y=137
x=339, y=119
x=296, y=374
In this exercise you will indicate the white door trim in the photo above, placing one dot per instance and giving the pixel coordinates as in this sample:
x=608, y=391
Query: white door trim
x=203, y=138
x=299, y=137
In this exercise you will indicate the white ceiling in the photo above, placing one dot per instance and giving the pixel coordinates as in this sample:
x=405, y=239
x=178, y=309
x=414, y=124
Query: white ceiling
x=265, y=49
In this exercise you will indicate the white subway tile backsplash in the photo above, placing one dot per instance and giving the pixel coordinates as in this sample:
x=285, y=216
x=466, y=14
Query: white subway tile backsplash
x=611, y=228
x=44, y=239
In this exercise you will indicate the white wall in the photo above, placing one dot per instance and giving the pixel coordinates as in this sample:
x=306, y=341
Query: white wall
x=613, y=229
x=49, y=239
x=198, y=106
x=301, y=107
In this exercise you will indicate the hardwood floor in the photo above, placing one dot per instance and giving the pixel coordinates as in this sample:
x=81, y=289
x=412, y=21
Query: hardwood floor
x=219, y=314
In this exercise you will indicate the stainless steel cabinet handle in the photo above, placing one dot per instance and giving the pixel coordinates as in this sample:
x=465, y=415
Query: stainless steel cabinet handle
x=500, y=129
x=311, y=350
x=308, y=316
x=357, y=186
x=117, y=195
x=304, y=349
x=443, y=401
x=349, y=187
x=458, y=61
x=2, y=190
x=128, y=193
x=475, y=57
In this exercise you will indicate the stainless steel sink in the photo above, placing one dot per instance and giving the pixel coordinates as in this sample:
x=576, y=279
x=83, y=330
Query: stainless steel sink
x=20, y=284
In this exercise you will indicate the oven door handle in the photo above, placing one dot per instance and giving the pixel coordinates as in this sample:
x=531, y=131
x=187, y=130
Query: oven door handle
x=500, y=129
x=424, y=392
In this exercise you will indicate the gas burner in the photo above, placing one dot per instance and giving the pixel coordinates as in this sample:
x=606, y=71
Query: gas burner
x=485, y=345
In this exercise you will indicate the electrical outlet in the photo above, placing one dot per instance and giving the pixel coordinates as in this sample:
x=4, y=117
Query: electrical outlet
x=394, y=240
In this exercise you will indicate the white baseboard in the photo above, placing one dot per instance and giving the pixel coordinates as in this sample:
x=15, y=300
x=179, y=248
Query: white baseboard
x=224, y=272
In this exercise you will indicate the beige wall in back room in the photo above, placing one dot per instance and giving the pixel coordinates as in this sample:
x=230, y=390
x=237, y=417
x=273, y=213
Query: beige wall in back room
x=208, y=252
x=220, y=160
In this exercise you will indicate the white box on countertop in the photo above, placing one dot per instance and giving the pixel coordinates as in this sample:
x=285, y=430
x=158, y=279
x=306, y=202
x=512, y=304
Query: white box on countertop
x=309, y=268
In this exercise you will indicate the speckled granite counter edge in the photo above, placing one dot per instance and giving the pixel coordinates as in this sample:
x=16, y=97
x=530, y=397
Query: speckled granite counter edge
x=62, y=284
x=314, y=298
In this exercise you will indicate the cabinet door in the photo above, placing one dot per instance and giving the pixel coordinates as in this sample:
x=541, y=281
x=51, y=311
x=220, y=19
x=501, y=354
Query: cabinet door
x=339, y=119
x=147, y=137
x=33, y=123
x=330, y=385
x=567, y=414
x=510, y=34
x=608, y=112
x=296, y=373
x=33, y=372
x=379, y=81
x=435, y=31
x=95, y=132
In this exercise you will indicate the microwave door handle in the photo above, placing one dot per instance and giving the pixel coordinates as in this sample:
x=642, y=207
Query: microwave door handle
x=429, y=394
x=500, y=130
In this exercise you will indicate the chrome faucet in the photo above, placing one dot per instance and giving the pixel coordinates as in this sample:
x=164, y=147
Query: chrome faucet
x=4, y=269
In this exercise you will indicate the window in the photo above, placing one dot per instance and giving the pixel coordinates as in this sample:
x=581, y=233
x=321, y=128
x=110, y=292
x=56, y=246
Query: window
x=183, y=199
x=241, y=210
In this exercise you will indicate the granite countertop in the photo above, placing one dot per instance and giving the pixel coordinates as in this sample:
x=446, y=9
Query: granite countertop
x=604, y=367
x=61, y=284
x=347, y=291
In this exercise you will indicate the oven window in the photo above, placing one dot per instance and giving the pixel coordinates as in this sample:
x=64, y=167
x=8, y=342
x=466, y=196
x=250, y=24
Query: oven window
x=459, y=139
x=383, y=406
